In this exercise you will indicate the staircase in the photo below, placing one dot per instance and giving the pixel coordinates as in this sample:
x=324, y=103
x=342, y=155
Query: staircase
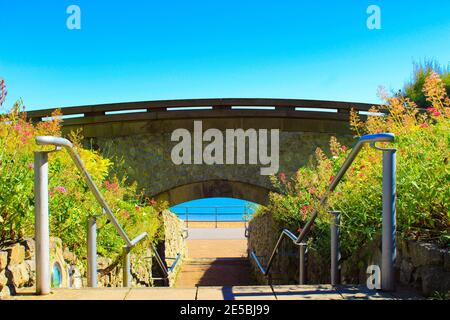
x=214, y=272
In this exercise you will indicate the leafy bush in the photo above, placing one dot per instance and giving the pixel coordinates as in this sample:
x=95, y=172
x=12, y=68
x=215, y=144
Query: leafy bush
x=414, y=89
x=71, y=202
x=423, y=177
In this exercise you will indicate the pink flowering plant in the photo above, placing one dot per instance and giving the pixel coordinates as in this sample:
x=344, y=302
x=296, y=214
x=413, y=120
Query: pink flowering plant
x=70, y=201
x=423, y=176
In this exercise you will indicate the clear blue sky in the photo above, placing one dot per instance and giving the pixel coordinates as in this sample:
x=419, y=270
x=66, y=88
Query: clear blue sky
x=145, y=50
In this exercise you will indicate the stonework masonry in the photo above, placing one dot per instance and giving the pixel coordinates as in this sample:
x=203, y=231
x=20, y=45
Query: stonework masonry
x=18, y=270
x=142, y=151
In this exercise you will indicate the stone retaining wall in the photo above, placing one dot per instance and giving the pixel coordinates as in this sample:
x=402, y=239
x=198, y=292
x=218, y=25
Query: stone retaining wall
x=18, y=268
x=174, y=242
x=420, y=265
x=17, y=262
x=142, y=265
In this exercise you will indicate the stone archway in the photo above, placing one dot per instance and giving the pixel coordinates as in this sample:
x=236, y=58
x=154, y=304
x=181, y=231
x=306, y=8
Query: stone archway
x=215, y=189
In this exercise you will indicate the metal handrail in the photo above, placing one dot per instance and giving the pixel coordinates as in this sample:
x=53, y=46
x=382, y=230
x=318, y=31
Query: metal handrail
x=166, y=271
x=61, y=142
x=284, y=233
x=371, y=139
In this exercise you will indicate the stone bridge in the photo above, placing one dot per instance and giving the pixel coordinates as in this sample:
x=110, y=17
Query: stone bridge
x=137, y=136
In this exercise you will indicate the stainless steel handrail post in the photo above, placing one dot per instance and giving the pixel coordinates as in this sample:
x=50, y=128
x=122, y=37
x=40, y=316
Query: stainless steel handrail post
x=160, y=263
x=335, y=248
x=42, y=232
x=41, y=211
x=389, y=250
x=126, y=267
x=302, y=263
x=92, y=252
x=61, y=142
x=367, y=139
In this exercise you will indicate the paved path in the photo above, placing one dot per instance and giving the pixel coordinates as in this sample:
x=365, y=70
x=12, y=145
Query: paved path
x=216, y=234
x=320, y=292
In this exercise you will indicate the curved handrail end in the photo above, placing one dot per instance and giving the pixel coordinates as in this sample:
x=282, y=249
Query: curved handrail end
x=53, y=141
x=377, y=137
x=288, y=233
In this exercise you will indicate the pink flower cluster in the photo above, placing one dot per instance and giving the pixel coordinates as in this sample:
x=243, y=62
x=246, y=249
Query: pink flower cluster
x=24, y=132
x=435, y=112
x=111, y=186
x=125, y=214
x=60, y=189
x=283, y=178
x=305, y=210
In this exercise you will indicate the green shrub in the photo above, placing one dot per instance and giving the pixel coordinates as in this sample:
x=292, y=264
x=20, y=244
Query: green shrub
x=414, y=89
x=71, y=202
x=423, y=177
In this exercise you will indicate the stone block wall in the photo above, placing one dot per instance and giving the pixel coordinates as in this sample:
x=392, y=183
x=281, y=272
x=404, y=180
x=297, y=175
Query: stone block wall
x=145, y=148
x=174, y=242
x=18, y=269
x=422, y=266
x=142, y=265
x=425, y=266
x=110, y=272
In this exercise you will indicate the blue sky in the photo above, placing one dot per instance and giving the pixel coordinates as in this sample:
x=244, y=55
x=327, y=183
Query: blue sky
x=146, y=50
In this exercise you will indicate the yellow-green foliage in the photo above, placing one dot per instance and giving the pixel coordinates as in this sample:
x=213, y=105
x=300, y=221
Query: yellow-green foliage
x=414, y=89
x=71, y=203
x=423, y=176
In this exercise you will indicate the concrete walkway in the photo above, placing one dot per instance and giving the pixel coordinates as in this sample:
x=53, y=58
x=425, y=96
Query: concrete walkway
x=216, y=234
x=292, y=292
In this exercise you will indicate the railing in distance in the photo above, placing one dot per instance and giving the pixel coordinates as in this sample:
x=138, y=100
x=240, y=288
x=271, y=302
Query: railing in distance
x=215, y=214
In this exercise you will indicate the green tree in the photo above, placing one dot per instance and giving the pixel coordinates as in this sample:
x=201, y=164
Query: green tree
x=414, y=88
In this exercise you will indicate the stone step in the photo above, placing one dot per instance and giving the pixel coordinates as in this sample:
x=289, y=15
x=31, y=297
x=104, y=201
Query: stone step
x=214, y=272
x=241, y=261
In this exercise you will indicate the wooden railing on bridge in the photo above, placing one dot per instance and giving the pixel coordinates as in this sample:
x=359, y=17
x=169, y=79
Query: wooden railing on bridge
x=205, y=108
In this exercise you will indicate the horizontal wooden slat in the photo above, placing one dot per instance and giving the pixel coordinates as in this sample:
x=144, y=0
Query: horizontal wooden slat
x=205, y=114
x=217, y=104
